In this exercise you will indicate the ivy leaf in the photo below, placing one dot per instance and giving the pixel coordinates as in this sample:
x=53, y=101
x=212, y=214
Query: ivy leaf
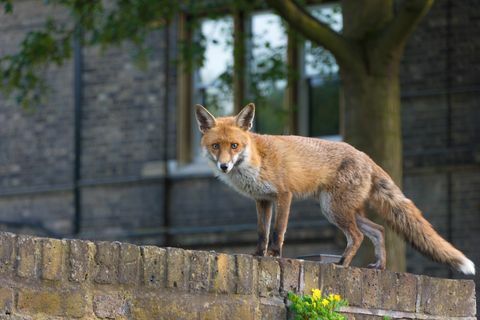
x=7, y=6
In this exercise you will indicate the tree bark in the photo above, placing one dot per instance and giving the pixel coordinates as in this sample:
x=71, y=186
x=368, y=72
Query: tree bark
x=372, y=123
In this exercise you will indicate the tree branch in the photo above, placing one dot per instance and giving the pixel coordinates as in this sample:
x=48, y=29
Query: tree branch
x=397, y=33
x=318, y=32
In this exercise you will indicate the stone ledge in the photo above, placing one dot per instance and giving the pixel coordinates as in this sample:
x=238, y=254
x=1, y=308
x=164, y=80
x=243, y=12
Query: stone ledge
x=94, y=279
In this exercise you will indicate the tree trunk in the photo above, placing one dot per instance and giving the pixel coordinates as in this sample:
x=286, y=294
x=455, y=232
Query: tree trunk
x=372, y=123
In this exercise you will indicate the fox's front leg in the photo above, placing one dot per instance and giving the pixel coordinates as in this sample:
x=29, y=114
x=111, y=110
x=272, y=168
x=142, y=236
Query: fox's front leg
x=282, y=212
x=264, y=217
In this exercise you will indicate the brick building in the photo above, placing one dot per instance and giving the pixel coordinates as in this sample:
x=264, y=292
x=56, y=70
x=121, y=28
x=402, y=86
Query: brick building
x=102, y=160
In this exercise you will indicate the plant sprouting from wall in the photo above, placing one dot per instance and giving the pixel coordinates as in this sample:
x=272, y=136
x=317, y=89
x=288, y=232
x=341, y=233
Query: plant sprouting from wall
x=316, y=306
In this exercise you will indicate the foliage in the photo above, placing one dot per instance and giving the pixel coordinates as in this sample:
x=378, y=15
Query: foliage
x=316, y=306
x=103, y=23
x=7, y=5
x=110, y=23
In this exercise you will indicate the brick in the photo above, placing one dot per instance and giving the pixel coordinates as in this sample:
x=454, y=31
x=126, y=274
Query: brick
x=176, y=268
x=234, y=310
x=246, y=269
x=128, y=267
x=199, y=274
x=290, y=275
x=35, y=302
x=311, y=276
x=75, y=304
x=223, y=274
x=52, y=259
x=7, y=251
x=6, y=300
x=168, y=307
x=80, y=260
x=401, y=288
x=106, y=258
x=154, y=266
x=27, y=256
x=346, y=282
x=406, y=284
x=372, y=288
x=272, y=309
x=268, y=277
x=109, y=307
x=351, y=316
x=445, y=297
x=240, y=311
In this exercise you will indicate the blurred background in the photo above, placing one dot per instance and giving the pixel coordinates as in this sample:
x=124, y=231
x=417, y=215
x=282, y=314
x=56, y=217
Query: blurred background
x=109, y=149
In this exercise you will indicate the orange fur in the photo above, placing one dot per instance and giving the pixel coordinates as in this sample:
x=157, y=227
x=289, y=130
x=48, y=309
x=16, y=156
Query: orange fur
x=276, y=169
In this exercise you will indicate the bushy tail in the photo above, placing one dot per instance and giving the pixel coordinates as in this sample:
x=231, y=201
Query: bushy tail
x=406, y=219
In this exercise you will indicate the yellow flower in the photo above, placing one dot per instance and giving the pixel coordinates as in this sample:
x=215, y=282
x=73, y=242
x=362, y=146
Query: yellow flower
x=316, y=294
x=331, y=297
x=337, y=297
x=325, y=302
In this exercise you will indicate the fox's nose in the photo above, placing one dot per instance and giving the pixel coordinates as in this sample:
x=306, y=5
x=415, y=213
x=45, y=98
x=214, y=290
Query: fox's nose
x=224, y=166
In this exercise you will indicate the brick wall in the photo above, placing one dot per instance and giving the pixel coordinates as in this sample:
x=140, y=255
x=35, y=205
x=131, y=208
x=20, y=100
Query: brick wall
x=441, y=93
x=122, y=138
x=43, y=278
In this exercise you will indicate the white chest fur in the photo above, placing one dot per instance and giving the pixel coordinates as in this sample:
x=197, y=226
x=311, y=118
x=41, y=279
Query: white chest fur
x=246, y=180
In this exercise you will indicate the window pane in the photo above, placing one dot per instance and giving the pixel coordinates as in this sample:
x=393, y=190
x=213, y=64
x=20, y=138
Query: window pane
x=317, y=59
x=321, y=69
x=324, y=114
x=268, y=72
x=214, y=83
x=329, y=14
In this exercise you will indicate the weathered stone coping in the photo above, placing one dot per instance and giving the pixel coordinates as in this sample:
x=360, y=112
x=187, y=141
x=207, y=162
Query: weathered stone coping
x=43, y=278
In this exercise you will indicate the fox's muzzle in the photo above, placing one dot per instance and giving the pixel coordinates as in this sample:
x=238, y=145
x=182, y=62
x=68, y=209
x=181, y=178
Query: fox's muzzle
x=225, y=167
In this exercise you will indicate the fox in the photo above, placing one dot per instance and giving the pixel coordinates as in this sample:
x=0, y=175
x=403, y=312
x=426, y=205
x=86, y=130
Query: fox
x=276, y=169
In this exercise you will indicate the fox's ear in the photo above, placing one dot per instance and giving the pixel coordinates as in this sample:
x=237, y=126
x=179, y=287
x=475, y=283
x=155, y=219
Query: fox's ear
x=244, y=118
x=205, y=120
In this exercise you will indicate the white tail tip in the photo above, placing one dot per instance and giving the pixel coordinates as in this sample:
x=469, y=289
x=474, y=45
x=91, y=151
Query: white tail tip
x=467, y=266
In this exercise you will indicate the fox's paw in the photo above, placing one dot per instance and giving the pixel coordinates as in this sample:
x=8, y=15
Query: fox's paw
x=377, y=265
x=340, y=262
x=259, y=253
x=273, y=253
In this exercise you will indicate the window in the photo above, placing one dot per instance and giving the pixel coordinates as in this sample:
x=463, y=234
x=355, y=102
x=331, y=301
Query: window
x=307, y=103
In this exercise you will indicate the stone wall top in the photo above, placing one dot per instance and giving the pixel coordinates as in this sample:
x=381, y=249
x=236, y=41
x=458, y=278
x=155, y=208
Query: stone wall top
x=41, y=278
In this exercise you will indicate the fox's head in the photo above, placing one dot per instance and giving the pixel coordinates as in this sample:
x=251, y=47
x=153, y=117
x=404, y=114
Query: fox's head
x=226, y=140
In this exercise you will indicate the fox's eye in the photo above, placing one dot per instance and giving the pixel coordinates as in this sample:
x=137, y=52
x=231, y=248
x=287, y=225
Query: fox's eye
x=215, y=146
x=234, y=145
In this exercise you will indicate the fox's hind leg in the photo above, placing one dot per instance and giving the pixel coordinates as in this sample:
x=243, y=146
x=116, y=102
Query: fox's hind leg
x=343, y=216
x=376, y=234
x=354, y=240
